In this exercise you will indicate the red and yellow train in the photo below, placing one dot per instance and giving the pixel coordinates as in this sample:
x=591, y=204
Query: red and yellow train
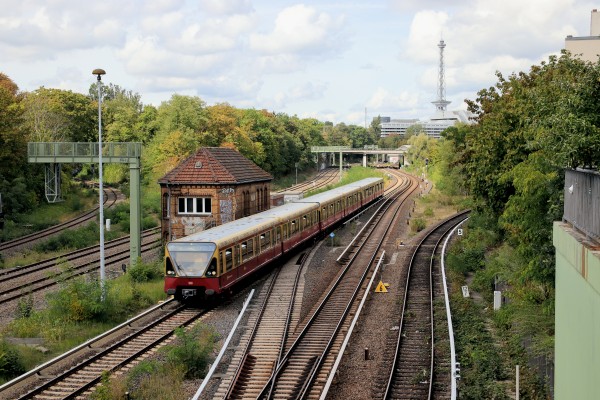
x=211, y=261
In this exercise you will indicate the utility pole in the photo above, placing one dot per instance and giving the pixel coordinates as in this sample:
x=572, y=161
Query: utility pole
x=99, y=72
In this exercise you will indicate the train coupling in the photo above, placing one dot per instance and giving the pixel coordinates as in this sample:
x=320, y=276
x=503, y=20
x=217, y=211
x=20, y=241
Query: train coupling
x=186, y=293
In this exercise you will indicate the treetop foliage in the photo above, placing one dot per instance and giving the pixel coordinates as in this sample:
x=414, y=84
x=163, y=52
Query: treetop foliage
x=530, y=127
x=170, y=132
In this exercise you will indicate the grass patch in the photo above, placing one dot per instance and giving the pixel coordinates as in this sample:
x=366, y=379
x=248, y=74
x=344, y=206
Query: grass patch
x=76, y=203
x=434, y=207
x=75, y=313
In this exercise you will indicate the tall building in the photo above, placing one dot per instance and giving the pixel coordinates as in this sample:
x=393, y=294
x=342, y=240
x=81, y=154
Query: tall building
x=586, y=47
x=442, y=118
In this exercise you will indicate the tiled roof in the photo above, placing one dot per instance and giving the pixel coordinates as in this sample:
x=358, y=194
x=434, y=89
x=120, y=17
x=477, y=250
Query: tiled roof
x=216, y=165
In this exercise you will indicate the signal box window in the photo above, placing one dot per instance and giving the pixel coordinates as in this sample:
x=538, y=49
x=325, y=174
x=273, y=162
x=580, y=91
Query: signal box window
x=195, y=205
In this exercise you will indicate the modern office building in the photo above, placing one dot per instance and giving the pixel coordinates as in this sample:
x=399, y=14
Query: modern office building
x=586, y=47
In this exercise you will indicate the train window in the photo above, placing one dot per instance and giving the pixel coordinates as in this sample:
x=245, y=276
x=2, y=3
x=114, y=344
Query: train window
x=228, y=259
x=278, y=233
x=247, y=250
x=265, y=241
x=293, y=227
x=324, y=213
x=190, y=259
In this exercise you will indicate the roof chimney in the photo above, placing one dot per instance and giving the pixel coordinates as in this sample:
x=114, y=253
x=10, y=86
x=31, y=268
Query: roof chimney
x=595, y=23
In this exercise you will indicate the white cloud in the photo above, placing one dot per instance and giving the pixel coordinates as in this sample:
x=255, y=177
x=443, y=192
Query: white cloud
x=226, y=6
x=382, y=98
x=143, y=56
x=318, y=58
x=302, y=92
x=299, y=29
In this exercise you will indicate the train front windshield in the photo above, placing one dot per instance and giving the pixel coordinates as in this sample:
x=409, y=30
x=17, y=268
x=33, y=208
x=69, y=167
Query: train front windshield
x=191, y=259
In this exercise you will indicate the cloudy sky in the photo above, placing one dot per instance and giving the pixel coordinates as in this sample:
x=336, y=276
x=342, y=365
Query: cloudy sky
x=318, y=58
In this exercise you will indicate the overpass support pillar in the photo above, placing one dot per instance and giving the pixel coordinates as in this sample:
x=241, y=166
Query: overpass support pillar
x=365, y=160
x=341, y=161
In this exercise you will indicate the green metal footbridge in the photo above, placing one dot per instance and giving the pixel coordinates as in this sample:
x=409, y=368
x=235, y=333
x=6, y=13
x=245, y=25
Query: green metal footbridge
x=56, y=153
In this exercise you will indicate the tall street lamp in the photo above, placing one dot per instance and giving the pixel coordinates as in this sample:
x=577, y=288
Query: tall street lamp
x=99, y=72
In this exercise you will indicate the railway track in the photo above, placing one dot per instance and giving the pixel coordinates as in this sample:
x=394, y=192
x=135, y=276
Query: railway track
x=412, y=373
x=298, y=357
x=322, y=179
x=69, y=377
x=264, y=342
x=303, y=370
x=21, y=281
x=110, y=197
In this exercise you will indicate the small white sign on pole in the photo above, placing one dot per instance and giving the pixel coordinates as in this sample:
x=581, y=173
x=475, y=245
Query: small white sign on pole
x=497, y=299
x=460, y=232
x=108, y=225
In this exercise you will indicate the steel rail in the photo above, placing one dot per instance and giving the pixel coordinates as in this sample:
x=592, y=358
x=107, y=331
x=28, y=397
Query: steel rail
x=12, y=273
x=267, y=391
x=114, y=259
x=153, y=342
x=38, y=370
x=434, y=231
x=58, y=227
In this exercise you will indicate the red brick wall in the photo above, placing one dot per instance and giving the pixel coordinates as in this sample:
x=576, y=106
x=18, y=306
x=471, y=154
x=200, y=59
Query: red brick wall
x=227, y=205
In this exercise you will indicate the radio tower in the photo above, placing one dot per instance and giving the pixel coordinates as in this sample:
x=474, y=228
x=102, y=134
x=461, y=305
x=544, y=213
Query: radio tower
x=441, y=102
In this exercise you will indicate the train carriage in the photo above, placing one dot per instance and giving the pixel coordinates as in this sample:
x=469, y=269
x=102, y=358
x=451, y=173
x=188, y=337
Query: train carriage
x=340, y=202
x=211, y=261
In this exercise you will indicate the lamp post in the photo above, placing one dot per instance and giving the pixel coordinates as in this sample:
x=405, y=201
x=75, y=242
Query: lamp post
x=296, y=173
x=99, y=72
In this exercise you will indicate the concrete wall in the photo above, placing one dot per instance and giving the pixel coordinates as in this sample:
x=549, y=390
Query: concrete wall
x=577, y=339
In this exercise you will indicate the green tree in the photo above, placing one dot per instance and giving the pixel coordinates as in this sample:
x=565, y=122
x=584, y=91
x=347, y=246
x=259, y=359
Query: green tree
x=59, y=115
x=180, y=127
x=121, y=112
x=17, y=183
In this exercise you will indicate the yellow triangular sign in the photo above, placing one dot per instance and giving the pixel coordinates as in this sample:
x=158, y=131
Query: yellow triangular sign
x=381, y=288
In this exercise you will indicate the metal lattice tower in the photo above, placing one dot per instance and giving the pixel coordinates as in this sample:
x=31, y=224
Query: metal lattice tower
x=441, y=102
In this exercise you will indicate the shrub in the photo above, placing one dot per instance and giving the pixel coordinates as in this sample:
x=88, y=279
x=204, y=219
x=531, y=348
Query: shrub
x=142, y=272
x=149, y=222
x=78, y=301
x=71, y=239
x=193, y=350
x=110, y=388
x=418, y=224
x=25, y=306
x=163, y=382
x=10, y=363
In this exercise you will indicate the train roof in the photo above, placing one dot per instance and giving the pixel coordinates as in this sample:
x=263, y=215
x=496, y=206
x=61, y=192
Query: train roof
x=248, y=226
x=260, y=222
x=339, y=191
